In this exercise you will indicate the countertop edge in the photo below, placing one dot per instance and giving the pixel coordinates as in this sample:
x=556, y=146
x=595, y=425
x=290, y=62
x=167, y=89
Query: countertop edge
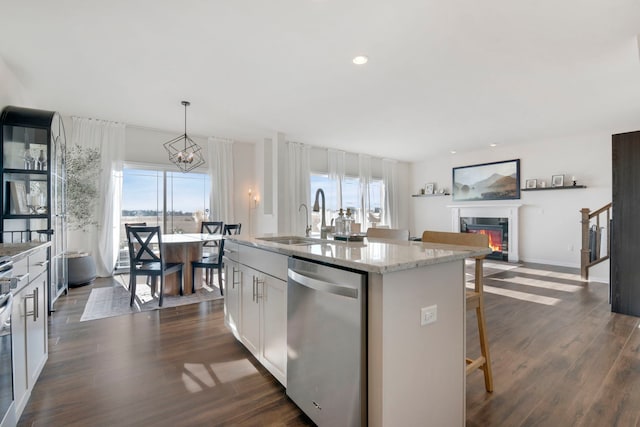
x=438, y=253
x=18, y=251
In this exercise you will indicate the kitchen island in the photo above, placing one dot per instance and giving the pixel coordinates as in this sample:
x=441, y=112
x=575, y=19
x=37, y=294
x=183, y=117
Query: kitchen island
x=415, y=374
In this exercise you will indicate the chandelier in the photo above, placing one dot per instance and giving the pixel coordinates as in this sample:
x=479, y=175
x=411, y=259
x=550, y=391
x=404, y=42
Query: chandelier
x=183, y=152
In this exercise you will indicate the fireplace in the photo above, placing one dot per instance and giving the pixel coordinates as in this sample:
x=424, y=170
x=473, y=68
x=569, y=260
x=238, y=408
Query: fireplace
x=497, y=229
x=499, y=213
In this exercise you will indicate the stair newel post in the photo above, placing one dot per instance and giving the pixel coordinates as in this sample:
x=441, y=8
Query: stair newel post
x=584, y=251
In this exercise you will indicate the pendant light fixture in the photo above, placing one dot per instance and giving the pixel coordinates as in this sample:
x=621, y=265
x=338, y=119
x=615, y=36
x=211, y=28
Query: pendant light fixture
x=185, y=153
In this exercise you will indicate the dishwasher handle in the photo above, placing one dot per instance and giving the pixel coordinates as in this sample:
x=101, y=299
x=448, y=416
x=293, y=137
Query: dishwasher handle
x=322, y=285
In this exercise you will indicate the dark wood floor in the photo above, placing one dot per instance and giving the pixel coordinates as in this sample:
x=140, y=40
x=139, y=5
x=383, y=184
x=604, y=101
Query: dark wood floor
x=560, y=358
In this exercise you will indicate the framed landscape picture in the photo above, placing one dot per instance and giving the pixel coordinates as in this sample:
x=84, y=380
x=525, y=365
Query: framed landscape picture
x=487, y=181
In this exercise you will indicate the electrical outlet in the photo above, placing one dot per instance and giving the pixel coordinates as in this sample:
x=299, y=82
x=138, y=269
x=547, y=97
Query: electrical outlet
x=428, y=315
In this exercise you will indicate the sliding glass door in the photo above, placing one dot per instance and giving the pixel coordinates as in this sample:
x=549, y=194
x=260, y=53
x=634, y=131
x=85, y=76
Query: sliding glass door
x=174, y=200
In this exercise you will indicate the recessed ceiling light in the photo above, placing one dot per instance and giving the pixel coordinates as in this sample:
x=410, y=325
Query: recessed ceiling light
x=360, y=60
x=453, y=151
x=492, y=145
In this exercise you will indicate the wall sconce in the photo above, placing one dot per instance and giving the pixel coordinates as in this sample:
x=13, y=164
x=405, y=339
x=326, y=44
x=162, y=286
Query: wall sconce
x=253, y=200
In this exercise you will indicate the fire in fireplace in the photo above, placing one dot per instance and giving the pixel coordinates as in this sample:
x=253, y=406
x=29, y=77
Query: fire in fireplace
x=496, y=228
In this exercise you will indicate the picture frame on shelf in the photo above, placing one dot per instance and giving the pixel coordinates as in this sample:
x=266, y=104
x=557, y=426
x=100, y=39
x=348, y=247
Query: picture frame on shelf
x=18, y=197
x=557, y=181
x=531, y=183
x=429, y=188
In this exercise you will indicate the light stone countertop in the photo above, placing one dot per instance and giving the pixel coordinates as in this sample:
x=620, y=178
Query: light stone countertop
x=17, y=251
x=379, y=256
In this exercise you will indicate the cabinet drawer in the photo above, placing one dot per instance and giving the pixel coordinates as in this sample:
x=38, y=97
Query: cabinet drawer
x=20, y=272
x=37, y=263
x=264, y=261
x=231, y=250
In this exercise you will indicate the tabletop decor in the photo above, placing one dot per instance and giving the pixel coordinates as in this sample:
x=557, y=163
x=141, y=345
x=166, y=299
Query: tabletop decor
x=487, y=181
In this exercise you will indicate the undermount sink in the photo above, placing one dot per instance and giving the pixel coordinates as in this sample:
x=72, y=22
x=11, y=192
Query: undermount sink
x=290, y=240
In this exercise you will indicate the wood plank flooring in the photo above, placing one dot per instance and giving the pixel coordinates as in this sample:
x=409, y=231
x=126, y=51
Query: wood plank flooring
x=560, y=358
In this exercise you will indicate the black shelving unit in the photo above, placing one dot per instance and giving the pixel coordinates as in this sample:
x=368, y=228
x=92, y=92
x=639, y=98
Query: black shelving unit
x=33, y=190
x=566, y=187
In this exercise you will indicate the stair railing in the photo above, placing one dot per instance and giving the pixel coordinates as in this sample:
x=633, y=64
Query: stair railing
x=591, y=252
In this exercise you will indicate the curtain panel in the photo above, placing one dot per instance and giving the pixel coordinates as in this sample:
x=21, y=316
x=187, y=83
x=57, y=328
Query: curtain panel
x=298, y=173
x=391, y=203
x=109, y=138
x=220, y=162
x=336, y=165
x=364, y=172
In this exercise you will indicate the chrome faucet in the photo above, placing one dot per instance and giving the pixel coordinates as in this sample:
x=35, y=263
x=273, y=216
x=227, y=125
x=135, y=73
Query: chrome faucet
x=316, y=208
x=307, y=228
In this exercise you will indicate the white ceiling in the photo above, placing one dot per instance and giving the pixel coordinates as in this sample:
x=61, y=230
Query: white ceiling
x=442, y=74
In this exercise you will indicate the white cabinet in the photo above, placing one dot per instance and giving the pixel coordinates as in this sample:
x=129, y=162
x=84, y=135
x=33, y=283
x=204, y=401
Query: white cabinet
x=250, y=310
x=36, y=328
x=262, y=306
x=273, y=319
x=232, y=277
x=29, y=325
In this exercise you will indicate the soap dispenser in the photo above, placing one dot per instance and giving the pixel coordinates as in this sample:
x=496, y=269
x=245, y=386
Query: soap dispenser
x=347, y=222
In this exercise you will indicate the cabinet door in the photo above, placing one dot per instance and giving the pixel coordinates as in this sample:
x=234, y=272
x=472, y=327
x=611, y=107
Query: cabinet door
x=249, y=310
x=232, y=278
x=273, y=297
x=19, y=343
x=36, y=328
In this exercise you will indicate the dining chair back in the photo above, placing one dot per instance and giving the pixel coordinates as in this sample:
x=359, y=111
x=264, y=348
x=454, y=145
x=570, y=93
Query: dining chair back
x=146, y=259
x=230, y=229
x=387, y=233
x=209, y=263
x=211, y=247
x=474, y=298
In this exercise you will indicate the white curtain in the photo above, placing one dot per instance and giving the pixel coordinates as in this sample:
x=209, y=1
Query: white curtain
x=298, y=173
x=220, y=161
x=336, y=160
x=109, y=138
x=390, y=180
x=364, y=171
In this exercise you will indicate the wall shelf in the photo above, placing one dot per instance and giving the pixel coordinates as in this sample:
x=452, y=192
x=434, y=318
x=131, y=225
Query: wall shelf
x=566, y=187
x=431, y=195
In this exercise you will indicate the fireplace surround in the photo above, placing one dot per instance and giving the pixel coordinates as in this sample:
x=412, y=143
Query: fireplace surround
x=510, y=212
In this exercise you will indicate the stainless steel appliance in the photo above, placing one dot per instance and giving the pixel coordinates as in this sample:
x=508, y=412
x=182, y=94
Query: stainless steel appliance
x=7, y=412
x=326, y=340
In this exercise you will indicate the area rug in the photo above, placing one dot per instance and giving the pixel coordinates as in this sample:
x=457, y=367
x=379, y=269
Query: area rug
x=114, y=300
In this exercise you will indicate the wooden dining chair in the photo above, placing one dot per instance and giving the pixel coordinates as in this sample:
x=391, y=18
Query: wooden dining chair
x=145, y=261
x=387, y=233
x=230, y=229
x=211, y=248
x=474, y=298
x=211, y=262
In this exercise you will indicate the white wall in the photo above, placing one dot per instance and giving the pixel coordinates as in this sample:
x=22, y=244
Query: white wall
x=12, y=91
x=550, y=230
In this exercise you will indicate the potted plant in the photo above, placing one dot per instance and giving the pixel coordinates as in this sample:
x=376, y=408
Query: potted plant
x=83, y=172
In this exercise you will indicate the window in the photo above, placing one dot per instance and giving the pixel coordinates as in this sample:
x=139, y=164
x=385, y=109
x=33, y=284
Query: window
x=175, y=201
x=350, y=199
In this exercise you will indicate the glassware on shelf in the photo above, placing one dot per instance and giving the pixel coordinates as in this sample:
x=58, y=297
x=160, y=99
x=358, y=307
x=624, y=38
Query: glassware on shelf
x=29, y=161
x=42, y=162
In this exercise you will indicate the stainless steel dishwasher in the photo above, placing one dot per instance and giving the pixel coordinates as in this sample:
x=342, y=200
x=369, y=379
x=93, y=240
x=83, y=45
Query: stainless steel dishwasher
x=326, y=343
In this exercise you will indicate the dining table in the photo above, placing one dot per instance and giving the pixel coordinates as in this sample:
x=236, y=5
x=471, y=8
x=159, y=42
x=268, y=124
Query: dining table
x=184, y=248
